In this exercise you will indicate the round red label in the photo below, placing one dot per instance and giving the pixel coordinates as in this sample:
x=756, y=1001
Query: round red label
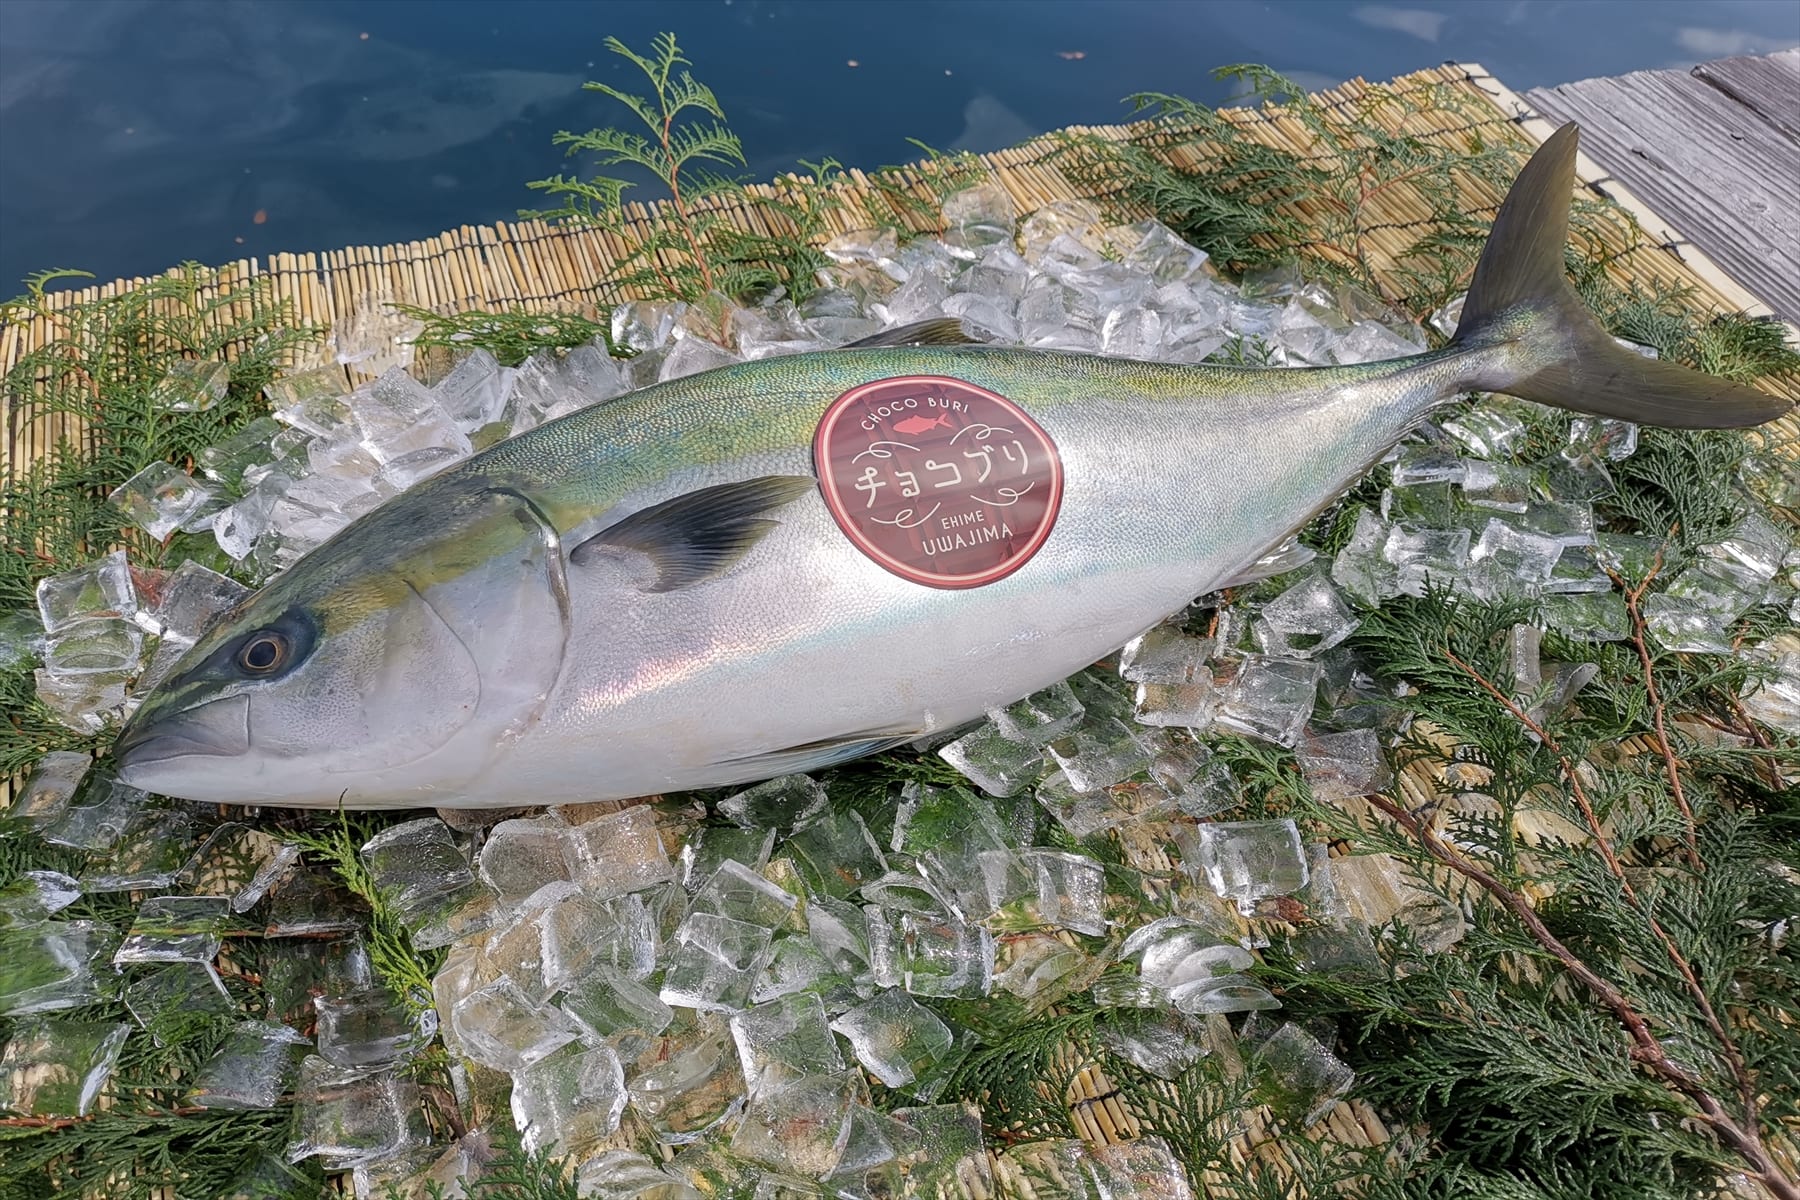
x=941, y=482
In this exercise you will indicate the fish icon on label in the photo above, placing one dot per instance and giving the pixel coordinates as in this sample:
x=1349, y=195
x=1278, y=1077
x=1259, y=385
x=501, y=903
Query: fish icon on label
x=917, y=425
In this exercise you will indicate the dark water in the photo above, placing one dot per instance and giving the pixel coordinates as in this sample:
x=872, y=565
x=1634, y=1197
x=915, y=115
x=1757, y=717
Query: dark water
x=138, y=133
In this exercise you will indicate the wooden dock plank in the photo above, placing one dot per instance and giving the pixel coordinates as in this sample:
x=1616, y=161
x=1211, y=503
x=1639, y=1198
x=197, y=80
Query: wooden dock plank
x=1723, y=176
x=1769, y=84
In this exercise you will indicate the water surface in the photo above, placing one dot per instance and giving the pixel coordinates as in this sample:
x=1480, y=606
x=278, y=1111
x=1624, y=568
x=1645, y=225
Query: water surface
x=135, y=134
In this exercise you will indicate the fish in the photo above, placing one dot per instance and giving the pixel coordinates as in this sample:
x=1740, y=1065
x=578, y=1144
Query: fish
x=740, y=574
x=917, y=425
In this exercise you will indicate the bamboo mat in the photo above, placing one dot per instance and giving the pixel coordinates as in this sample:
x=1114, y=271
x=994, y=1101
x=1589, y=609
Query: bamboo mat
x=539, y=267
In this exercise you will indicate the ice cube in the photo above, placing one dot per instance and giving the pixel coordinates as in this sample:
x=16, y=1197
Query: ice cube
x=1425, y=554
x=1027, y=889
x=1040, y=717
x=995, y=763
x=1338, y=766
x=474, y=392
x=929, y=955
x=96, y=817
x=836, y=854
x=711, y=845
x=738, y=893
x=101, y=589
x=894, y=1037
x=1298, y=1077
x=1248, y=860
x=645, y=324
x=48, y=792
x=1164, y=654
x=312, y=401
x=1099, y=752
x=1419, y=465
x=374, y=335
x=418, y=869
x=1361, y=567
x=1755, y=550
x=175, y=929
x=606, y=1001
x=1517, y=553
x=978, y=217
x=58, y=1068
x=521, y=856
x=397, y=416
x=367, y=1028
x=54, y=965
x=1500, y=486
x=1306, y=619
x=785, y=804
x=252, y=1068
x=1775, y=701
x=1162, y=254
x=1275, y=282
x=685, y=1086
x=627, y=1175
x=1372, y=341
x=167, y=1000
x=192, y=597
x=34, y=895
x=1132, y=333
x=692, y=355
x=618, y=853
x=226, y=462
x=991, y=319
x=162, y=498
x=1488, y=432
x=348, y=1115
x=193, y=385
x=1172, y=952
x=238, y=527
x=1570, y=524
x=1593, y=439
x=1077, y=219
x=153, y=847
x=785, y=1039
x=567, y=1102
x=1686, y=625
x=503, y=1028
x=98, y=647
x=1269, y=698
x=579, y=930
x=800, y=1126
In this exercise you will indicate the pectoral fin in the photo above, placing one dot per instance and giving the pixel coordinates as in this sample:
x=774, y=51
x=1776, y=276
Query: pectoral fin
x=826, y=752
x=1289, y=556
x=698, y=535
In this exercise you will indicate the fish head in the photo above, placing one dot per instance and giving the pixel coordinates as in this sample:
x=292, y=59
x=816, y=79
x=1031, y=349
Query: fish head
x=386, y=668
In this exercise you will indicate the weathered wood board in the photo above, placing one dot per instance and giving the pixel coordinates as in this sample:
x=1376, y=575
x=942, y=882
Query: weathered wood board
x=1715, y=151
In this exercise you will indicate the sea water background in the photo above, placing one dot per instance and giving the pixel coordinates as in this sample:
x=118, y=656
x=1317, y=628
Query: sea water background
x=138, y=133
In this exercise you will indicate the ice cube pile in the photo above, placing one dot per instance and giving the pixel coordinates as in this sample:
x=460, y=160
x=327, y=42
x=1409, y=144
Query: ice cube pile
x=672, y=1004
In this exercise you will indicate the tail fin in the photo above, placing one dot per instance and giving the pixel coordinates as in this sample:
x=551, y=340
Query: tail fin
x=1561, y=355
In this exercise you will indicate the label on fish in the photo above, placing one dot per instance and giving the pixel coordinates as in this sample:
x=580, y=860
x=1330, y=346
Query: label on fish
x=939, y=481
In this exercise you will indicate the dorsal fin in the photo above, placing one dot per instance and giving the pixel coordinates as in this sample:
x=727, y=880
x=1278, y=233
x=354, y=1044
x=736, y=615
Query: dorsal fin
x=939, y=331
x=698, y=535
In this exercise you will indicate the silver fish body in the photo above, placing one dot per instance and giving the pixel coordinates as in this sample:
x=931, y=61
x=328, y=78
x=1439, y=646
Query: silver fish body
x=654, y=594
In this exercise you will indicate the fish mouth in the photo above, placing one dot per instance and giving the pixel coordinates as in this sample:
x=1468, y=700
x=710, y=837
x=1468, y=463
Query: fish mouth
x=215, y=729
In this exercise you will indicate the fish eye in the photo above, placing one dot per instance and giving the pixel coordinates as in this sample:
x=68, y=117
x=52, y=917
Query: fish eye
x=264, y=652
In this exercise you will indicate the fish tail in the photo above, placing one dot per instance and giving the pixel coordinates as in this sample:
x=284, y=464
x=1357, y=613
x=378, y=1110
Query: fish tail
x=1528, y=334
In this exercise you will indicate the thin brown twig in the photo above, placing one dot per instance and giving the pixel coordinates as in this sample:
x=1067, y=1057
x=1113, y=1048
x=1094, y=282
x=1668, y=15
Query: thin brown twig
x=1745, y=1141
x=1632, y=598
x=1740, y=1070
